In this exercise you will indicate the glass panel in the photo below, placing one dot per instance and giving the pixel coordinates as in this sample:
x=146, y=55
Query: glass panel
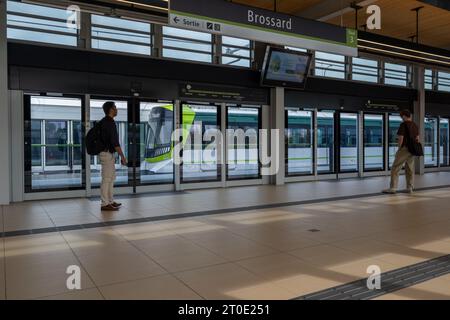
x=236, y=52
x=431, y=147
x=49, y=25
x=365, y=70
x=242, y=143
x=201, y=126
x=187, y=45
x=428, y=79
x=395, y=74
x=394, y=124
x=299, y=136
x=36, y=143
x=156, y=147
x=443, y=81
x=121, y=120
x=444, y=137
x=325, y=142
x=329, y=65
x=55, y=153
x=121, y=35
x=349, y=142
x=373, y=142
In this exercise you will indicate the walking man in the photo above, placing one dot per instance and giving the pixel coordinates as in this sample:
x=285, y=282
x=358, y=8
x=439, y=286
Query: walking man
x=110, y=138
x=407, y=132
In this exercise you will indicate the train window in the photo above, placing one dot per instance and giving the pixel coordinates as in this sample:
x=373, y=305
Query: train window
x=156, y=149
x=444, y=142
x=300, y=142
x=365, y=70
x=431, y=142
x=242, y=142
x=349, y=142
x=187, y=45
x=116, y=34
x=394, y=124
x=122, y=127
x=38, y=23
x=373, y=142
x=325, y=142
x=54, y=131
x=201, y=127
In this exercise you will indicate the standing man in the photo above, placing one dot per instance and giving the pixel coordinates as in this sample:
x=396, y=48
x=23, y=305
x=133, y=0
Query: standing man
x=110, y=138
x=407, y=132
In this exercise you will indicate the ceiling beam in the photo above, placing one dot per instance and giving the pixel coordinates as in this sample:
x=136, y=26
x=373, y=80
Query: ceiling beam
x=329, y=9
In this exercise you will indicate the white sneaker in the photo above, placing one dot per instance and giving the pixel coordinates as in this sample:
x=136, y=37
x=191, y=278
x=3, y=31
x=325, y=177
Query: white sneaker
x=410, y=190
x=390, y=191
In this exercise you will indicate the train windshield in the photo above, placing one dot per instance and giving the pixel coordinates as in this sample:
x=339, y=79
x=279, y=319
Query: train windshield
x=159, y=132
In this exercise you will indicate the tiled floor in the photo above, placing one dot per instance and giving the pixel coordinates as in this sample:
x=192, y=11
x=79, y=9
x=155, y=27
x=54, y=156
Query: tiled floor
x=58, y=213
x=255, y=254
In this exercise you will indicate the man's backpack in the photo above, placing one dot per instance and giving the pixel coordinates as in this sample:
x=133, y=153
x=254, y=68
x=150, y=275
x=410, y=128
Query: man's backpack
x=94, y=142
x=414, y=147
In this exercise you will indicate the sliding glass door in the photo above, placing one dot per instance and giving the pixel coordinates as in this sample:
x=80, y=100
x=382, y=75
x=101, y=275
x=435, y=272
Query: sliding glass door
x=53, y=143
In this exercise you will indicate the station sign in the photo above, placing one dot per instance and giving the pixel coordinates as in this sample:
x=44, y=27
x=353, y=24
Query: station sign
x=236, y=20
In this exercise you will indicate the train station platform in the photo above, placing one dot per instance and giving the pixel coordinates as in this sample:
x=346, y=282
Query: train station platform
x=297, y=241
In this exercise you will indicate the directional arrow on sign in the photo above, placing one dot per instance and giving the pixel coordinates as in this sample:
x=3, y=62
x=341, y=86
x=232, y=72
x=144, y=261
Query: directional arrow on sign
x=176, y=19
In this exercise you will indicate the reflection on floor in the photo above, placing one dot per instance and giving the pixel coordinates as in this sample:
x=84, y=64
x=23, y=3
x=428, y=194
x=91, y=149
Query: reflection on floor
x=276, y=253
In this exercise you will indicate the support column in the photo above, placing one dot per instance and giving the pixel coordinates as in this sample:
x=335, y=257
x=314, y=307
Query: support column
x=278, y=122
x=419, y=111
x=5, y=167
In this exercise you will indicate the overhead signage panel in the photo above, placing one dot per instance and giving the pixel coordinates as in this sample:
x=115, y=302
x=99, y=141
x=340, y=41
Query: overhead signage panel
x=236, y=20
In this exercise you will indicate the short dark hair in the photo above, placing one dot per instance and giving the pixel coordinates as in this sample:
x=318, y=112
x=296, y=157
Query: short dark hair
x=107, y=106
x=405, y=113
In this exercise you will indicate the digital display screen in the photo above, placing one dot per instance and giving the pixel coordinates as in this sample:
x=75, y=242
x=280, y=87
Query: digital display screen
x=286, y=68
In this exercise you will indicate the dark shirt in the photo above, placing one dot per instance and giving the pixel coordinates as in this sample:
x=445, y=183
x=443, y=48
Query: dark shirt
x=409, y=131
x=110, y=137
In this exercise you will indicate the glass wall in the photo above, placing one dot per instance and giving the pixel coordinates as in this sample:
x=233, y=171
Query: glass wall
x=325, y=142
x=431, y=142
x=365, y=70
x=53, y=153
x=394, y=123
x=236, y=52
x=443, y=81
x=373, y=142
x=187, y=45
x=300, y=143
x=395, y=74
x=121, y=120
x=428, y=79
x=243, y=125
x=156, y=148
x=38, y=23
x=329, y=65
x=201, y=126
x=349, y=142
x=444, y=142
x=116, y=34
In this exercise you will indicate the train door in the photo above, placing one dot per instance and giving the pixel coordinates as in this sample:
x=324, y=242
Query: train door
x=53, y=144
x=348, y=150
x=374, y=142
x=123, y=179
x=242, y=142
x=201, y=125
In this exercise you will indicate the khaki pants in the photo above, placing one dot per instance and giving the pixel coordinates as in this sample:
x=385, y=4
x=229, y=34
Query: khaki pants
x=403, y=157
x=107, y=160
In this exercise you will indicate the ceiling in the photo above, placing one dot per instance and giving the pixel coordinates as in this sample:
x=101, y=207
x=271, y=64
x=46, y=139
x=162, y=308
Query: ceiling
x=398, y=20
